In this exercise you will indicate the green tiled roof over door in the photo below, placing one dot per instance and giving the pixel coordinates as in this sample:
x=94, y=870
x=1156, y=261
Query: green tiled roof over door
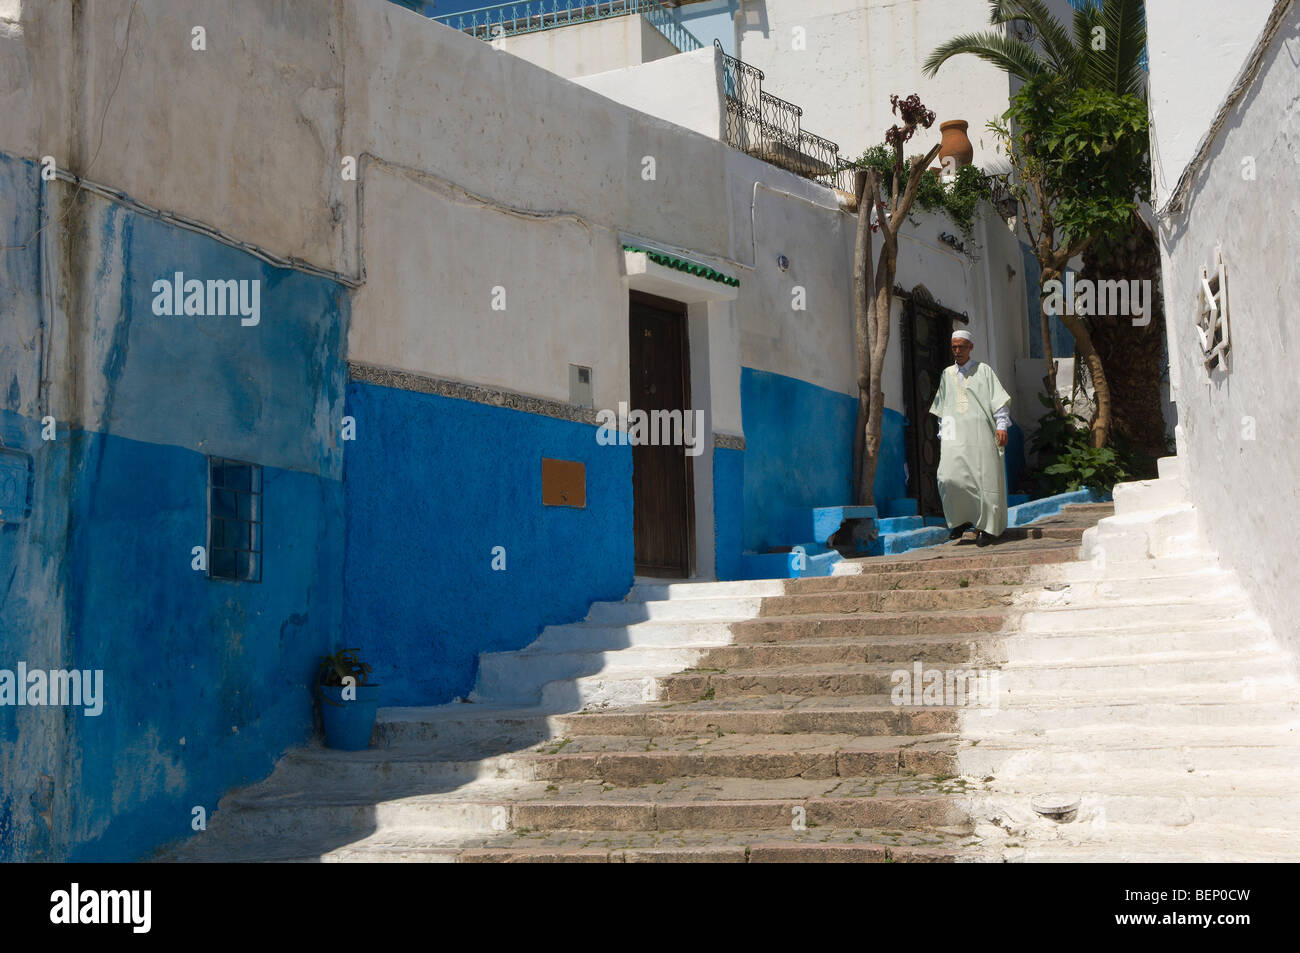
x=681, y=264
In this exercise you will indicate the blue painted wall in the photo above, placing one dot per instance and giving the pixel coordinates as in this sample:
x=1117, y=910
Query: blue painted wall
x=728, y=511
x=225, y=666
x=799, y=453
x=891, y=469
x=99, y=576
x=1062, y=339
x=31, y=581
x=432, y=485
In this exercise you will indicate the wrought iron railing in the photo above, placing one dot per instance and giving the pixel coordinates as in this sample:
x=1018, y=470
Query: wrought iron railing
x=769, y=127
x=508, y=19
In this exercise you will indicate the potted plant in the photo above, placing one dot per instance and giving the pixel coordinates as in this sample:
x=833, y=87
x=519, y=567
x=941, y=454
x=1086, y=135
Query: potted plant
x=348, y=703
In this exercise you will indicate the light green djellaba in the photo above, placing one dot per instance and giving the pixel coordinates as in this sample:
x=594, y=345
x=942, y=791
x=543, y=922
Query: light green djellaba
x=972, y=479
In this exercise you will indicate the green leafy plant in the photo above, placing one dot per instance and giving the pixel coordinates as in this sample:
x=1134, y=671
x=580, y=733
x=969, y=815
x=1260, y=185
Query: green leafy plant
x=1070, y=462
x=334, y=668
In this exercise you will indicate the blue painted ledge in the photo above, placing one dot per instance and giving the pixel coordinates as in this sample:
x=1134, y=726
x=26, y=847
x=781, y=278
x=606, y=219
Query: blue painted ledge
x=897, y=534
x=1027, y=513
x=817, y=561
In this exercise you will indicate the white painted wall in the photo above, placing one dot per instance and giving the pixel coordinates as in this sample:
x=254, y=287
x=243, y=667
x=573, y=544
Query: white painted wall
x=1246, y=490
x=686, y=90
x=859, y=52
x=594, y=46
x=1199, y=49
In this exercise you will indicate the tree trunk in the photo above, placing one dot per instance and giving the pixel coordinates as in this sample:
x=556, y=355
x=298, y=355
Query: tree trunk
x=876, y=411
x=878, y=301
x=865, y=188
x=1134, y=356
x=1083, y=347
x=1045, y=322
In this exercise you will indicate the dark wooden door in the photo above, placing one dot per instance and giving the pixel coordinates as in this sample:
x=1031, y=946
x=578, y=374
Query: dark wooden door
x=927, y=334
x=663, y=501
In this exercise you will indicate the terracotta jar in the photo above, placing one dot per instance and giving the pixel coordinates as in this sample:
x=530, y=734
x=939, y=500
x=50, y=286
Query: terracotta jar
x=956, y=143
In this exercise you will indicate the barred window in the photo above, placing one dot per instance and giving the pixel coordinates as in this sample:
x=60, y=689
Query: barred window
x=234, y=520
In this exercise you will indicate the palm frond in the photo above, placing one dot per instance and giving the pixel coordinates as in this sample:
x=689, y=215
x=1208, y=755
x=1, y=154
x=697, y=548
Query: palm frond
x=1118, y=67
x=1007, y=53
x=1059, y=49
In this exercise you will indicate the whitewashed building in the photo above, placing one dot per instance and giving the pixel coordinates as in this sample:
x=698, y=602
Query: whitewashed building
x=1227, y=187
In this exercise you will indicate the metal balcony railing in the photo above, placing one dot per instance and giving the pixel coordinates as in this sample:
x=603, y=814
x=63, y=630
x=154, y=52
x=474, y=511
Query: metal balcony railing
x=509, y=19
x=770, y=128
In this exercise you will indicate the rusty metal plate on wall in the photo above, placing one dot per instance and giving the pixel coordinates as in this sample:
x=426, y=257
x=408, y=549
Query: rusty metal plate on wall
x=564, y=483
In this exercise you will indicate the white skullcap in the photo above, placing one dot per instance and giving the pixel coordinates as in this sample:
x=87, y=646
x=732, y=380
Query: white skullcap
x=964, y=335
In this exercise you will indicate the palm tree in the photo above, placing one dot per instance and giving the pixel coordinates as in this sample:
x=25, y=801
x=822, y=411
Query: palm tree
x=1115, y=63
x=1103, y=48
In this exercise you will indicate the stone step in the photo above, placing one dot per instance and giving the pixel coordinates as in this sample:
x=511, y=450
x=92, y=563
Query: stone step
x=621, y=760
x=1087, y=511
x=1118, y=616
x=878, y=601
x=1125, y=843
x=676, y=804
x=1186, y=589
x=1047, y=721
x=1136, y=537
x=810, y=845
x=955, y=647
x=1059, y=646
x=1198, y=588
x=673, y=591
x=950, y=557
x=1138, y=673
x=915, y=580
x=854, y=715
x=1148, y=495
x=1059, y=531
x=609, y=689
x=585, y=637
x=1177, y=737
x=522, y=677
x=1171, y=570
x=1170, y=468
x=798, y=680
x=1167, y=805
x=774, y=629
x=631, y=760
x=479, y=729
x=1009, y=760
x=719, y=608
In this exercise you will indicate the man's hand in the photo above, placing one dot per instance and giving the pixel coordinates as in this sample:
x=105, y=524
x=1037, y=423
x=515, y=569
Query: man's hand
x=1002, y=438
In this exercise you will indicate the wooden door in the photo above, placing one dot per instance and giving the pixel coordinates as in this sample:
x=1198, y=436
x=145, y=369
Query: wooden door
x=926, y=354
x=662, y=494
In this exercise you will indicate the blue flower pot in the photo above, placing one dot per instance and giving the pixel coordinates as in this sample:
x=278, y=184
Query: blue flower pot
x=348, y=724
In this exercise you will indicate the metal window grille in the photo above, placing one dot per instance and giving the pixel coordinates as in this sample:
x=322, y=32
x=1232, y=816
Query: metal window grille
x=234, y=520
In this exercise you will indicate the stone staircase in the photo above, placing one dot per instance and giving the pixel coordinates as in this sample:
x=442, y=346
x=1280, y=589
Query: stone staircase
x=1147, y=693
x=759, y=721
